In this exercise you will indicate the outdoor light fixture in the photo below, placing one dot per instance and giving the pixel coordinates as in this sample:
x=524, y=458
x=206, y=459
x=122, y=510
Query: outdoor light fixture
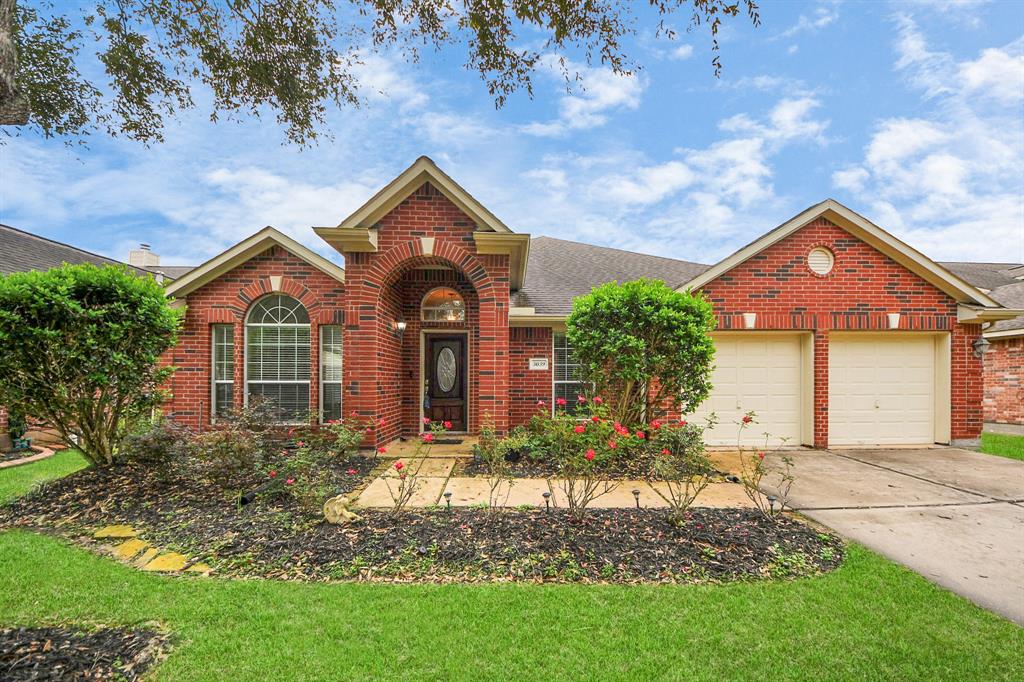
x=400, y=326
x=771, y=502
x=448, y=498
x=547, y=501
x=636, y=496
x=980, y=345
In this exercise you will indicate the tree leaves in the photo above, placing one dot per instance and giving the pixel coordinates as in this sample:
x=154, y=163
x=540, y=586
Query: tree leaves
x=297, y=57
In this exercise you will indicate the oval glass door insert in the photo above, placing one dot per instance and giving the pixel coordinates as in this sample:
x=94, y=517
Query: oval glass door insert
x=446, y=370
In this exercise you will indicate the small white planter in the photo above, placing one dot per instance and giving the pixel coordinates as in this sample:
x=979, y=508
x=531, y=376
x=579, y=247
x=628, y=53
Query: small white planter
x=894, y=320
x=749, y=320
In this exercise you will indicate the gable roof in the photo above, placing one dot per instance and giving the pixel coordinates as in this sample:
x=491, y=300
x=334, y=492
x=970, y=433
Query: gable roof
x=408, y=181
x=172, y=271
x=243, y=251
x=559, y=270
x=865, y=230
x=22, y=251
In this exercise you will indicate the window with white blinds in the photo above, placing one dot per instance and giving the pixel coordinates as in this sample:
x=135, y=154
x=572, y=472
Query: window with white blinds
x=565, y=376
x=330, y=372
x=277, y=353
x=223, y=389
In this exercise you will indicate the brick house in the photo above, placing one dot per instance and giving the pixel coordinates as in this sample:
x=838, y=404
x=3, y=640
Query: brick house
x=831, y=329
x=1004, y=359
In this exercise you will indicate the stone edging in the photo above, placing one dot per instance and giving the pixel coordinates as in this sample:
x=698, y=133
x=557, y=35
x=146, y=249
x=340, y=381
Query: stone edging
x=41, y=453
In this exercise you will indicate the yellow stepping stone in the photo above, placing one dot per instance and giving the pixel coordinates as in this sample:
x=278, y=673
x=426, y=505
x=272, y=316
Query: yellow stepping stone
x=146, y=557
x=128, y=549
x=169, y=562
x=199, y=568
x=115, y=532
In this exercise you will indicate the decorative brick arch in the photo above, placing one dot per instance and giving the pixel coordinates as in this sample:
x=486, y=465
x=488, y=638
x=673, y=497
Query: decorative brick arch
x=265, y=286
x=388, y=266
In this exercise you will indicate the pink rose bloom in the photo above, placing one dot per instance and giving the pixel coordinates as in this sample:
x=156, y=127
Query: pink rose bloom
x=426, y=420
x=428, y=437
x=597, y=400
x=612, y=444
x=289, y=481
x=581, y=399
x=590, y=455
x=447, y=425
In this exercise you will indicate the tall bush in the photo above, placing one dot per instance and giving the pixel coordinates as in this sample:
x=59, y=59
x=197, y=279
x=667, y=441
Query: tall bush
x=644, y=346
x=80, y=346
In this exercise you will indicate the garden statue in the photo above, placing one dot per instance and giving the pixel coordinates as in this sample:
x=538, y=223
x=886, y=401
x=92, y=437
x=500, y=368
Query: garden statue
x=336, y=511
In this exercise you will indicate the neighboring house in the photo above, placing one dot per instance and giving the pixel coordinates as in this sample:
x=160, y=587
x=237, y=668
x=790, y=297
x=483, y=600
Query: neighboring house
x=831, y=329
x=1004, y=359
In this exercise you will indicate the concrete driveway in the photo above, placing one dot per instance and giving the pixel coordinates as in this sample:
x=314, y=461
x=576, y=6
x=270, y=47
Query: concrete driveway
x=954, y=516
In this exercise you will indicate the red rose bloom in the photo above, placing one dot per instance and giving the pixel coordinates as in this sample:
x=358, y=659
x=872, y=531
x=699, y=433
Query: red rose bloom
x=612, y=444
x=760, y=455
x=595, y=419
x=581, y=399
x=289, y=481
x=641, y=435
x=426, y=420
x=747, y=419
x=447, y=425
x=399, y=466
x=682, y=422
x=272, y=474
x=665, y=451
x=351, y=472
x=381, y=450
x=428, y=437
x=655, y=424
x=580, y=428
x=590, y=455
x=597, y=400
x=560, y=402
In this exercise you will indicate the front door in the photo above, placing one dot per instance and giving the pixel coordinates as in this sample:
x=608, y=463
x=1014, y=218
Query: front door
x=445, y=380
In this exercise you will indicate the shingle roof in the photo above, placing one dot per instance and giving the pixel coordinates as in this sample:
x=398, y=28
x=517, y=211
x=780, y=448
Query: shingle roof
x=559, y=270
x=172, y=271
x=22, y=251
x=986, y=276
x=1011, y=296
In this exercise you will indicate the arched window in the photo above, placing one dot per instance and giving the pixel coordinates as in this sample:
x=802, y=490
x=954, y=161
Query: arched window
x=277, y=355
x=443, y=305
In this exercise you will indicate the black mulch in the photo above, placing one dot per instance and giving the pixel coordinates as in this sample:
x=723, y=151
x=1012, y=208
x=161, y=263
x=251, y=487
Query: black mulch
x=56, y=653
x=627, y=468
x=273, y=538
x=11, y=455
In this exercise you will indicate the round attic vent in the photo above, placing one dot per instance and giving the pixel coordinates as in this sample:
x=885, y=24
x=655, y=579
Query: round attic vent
x=820, y=260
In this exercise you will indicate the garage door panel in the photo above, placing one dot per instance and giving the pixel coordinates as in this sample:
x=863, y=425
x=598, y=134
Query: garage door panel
x=759, y=374
x=881, y=390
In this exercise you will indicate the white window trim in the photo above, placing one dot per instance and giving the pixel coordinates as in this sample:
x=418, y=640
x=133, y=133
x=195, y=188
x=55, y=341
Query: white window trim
x=213, y=368
x=245, y=360
x=554, y=381
x=341, y=367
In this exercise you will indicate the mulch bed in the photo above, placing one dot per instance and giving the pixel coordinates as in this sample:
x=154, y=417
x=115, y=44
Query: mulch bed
x=11, y=455
x=273, y=538
x=55, y=653
x=627, y=468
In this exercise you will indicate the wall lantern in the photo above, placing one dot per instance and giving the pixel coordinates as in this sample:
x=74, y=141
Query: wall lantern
x=980, y=345
x=400, y=326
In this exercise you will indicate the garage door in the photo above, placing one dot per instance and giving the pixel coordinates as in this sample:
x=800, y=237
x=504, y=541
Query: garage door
x=758, y=372
x=881, y=390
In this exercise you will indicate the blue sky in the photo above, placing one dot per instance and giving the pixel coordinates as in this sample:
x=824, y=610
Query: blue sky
x=911, y=113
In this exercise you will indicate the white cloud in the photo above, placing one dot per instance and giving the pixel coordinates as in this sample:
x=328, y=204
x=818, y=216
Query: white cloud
x=597, y=93
x=949, y=180
x=681, y=52
x=818, y=19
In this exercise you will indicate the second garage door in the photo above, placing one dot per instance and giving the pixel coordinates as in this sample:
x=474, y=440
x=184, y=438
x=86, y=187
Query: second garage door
x=763, y=373
x=882, y=389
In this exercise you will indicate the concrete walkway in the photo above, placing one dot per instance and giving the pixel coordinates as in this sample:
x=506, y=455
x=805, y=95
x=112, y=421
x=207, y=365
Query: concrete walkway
x=954, y=516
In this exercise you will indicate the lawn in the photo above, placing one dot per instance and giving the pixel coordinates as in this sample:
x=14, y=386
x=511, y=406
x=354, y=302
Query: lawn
x=1003, y=444
x=15, y=481
x=871, y=618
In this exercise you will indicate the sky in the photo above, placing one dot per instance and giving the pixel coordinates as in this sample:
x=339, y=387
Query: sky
x=910, y=113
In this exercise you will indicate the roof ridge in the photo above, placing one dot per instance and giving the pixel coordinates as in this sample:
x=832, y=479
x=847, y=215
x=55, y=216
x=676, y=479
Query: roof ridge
x=615, y=248
x=69, y=246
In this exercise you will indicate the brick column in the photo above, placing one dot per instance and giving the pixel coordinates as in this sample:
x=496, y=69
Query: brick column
x=967, y=385
x=821, y=389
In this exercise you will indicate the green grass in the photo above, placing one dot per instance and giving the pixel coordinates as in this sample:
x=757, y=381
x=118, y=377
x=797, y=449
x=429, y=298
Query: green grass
x=16, y=481
x=1003, y=444
x=870, y=619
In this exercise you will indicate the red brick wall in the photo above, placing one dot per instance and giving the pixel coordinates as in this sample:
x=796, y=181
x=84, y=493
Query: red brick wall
x=863, y=286
x=527, y=386
x=1004, y=381
x=382, y=380
x=226, y=301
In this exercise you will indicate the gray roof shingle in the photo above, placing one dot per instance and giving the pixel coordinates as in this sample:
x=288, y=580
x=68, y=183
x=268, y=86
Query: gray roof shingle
x=1011, y=296
x=22, y=251
x=559, y=270
x=987, y=276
